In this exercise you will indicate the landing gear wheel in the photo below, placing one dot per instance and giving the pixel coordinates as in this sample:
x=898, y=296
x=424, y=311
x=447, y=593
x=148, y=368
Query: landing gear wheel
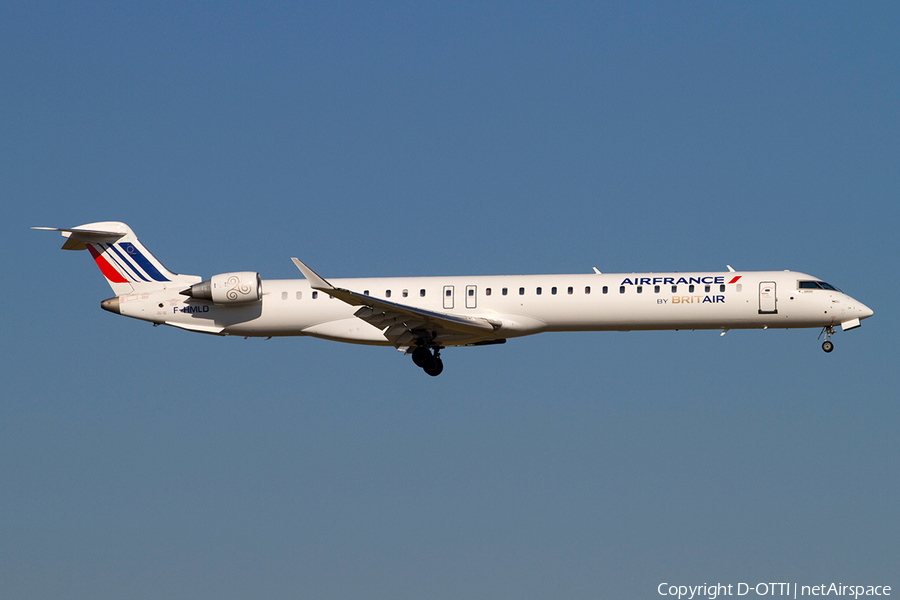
x=434, y=367
x=828, y=330
x=421, y=356
x=428, y=360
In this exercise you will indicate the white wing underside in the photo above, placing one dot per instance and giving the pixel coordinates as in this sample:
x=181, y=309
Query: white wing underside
x=403, y=325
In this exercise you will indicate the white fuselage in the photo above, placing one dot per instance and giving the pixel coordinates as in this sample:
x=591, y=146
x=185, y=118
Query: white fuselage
x=519, y=305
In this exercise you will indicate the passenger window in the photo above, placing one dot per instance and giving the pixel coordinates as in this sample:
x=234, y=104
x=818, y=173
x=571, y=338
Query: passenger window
x=538, y=291
x=315, y=295
x=387, y=293
x=605, y=289
x=656, y=288
x=405, y=293
x=471, y=293
x=739, y=287
x=722, y=288
x=691, y=288
x=571, y=290
x=487, y=291
x=621, y=289
x=299, y=295
x=448, y=293
x=521, y=291
x=640, y=289
x=422, y=293
x=284, y=295
x=707, y=289
x=553, y=291
x=674, y=289
x=587, y=289
x=503, y=291
x=365, y=292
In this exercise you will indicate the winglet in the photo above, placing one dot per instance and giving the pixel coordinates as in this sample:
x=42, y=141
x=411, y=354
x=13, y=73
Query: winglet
x=316, y=282
x=730, y=269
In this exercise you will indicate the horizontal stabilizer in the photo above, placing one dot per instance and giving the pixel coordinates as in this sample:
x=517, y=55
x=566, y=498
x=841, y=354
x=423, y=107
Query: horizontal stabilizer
x=76, y=238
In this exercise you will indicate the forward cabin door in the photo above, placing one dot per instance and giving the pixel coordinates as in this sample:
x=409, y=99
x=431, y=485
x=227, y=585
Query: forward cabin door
x=471, y=296
x=767, y=298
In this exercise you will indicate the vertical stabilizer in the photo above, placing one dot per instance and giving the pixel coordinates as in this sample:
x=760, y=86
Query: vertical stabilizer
x=123, y=260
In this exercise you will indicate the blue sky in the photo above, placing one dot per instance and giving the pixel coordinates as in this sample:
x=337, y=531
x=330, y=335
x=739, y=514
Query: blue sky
x=426, y=139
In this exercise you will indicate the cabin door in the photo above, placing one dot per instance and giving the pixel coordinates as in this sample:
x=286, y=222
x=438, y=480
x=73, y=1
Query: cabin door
x=767, y=298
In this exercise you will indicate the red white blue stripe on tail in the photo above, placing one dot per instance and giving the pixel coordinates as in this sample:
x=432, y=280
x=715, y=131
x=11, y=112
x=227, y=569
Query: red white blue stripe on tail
x=123, y=260
x=124, y=263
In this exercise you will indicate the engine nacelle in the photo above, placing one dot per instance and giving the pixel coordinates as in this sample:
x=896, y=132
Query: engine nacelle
x=228, y=288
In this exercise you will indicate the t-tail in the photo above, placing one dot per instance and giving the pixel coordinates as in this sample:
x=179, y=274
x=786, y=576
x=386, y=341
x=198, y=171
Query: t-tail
x=123, y=260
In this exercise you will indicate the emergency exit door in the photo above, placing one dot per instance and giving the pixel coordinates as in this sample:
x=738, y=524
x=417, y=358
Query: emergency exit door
x=471, y=296
x=448, y=296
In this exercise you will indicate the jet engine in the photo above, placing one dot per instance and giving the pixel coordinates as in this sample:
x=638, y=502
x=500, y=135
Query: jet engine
x=228, y=288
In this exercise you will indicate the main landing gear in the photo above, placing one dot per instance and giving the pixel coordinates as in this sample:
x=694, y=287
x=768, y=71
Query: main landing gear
x=430, y=363
x=827, y=345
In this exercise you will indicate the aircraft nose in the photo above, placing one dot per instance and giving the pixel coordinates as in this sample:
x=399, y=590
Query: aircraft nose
x=864, y=311
x=856, y=309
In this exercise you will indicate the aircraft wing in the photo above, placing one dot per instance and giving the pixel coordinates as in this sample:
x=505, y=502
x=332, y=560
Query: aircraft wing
x=403, y=324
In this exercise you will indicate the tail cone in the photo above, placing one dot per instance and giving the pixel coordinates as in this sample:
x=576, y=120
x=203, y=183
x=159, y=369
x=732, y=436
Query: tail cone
x=111, y=304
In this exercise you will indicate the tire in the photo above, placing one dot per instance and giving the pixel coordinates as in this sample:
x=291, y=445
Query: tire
x=421, y=356
x=434, y=367
x=827, y=346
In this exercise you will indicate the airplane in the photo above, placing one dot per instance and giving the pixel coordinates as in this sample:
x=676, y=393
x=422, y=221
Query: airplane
x=421, y=316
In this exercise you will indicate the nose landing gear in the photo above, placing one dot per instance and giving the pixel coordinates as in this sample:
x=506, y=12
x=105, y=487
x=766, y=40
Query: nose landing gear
x=827, y=345
x=428, y=362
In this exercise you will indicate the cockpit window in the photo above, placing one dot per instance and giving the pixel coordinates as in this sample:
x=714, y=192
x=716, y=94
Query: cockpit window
x=817, y=285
